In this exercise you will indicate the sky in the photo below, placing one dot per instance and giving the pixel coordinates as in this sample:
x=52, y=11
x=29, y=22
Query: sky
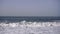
x=29, y=7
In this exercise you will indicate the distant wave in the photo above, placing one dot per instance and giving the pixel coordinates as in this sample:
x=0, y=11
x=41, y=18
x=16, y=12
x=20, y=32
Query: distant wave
x=31, y=24
x=27, y=18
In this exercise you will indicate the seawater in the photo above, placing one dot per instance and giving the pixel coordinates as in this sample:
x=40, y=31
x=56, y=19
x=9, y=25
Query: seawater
x=29, y=25
x=29, y=21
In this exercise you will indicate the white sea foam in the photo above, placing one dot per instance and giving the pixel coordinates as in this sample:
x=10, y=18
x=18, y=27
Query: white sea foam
x=31, y=24
x=24, y=27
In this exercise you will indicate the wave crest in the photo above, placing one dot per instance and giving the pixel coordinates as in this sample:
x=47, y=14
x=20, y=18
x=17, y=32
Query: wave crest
x=30, y=24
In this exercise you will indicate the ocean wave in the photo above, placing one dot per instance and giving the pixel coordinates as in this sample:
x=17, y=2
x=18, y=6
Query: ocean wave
x=30, y=24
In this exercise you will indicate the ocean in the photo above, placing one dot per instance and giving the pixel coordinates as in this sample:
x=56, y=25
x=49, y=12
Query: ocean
x=29, y=25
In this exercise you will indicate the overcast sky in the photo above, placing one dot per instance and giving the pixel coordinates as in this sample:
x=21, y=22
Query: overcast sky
x=29, y=8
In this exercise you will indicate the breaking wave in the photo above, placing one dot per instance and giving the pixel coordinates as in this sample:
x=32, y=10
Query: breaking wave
x=31, y=24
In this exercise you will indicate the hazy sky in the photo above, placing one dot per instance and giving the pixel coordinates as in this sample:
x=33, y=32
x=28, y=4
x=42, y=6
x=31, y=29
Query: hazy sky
x=29, y=7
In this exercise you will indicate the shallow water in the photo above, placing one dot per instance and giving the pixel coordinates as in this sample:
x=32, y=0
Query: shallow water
x=16, y=28
x=30, y=30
